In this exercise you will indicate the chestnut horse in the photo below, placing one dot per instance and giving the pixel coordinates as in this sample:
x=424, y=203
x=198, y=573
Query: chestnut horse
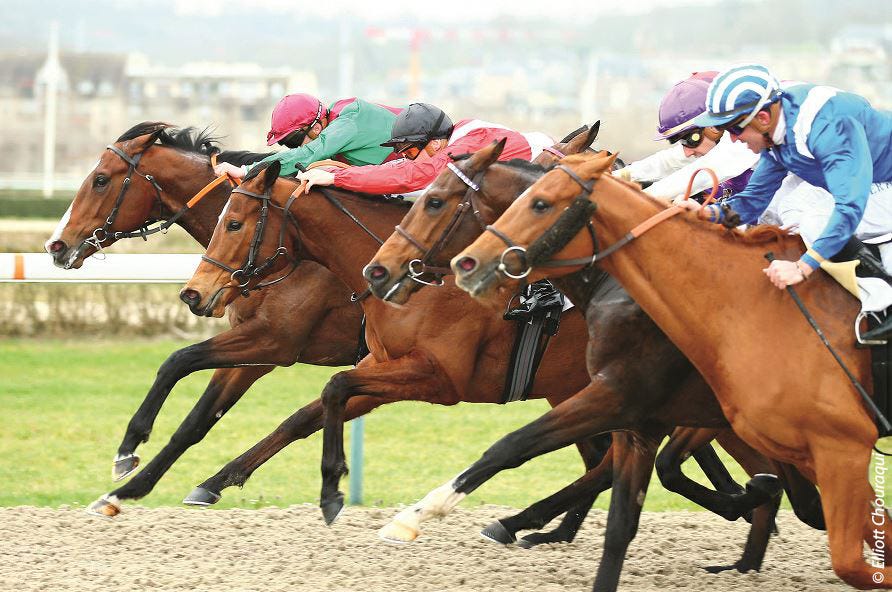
x=704, y=287
x=308, y=317
x=434, y=230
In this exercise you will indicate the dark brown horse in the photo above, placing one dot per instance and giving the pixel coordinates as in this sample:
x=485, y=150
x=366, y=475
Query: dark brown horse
x=308, y=318
x=454, y=209
x=776, y=382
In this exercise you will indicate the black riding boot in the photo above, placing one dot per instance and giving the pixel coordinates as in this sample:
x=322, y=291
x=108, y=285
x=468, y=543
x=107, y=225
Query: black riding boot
x=870, y=266
x=539, y=296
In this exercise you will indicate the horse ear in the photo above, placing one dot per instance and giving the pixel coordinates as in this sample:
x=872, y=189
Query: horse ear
x=593, y=134
x=487, y=155
x=271, y=174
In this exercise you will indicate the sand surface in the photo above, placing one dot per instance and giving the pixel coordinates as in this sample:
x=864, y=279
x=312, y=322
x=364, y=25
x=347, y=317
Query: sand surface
x=291, y=549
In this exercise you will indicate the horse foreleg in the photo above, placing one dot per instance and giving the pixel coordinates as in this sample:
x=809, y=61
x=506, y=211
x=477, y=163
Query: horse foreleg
x=244, y=344
x=633, y=463
x=304, y=422
x=593, y=410
x=575, y=499
x=414, y=377
x=846, y=493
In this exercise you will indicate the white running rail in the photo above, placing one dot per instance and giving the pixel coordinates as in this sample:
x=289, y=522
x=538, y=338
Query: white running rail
x=115, y=268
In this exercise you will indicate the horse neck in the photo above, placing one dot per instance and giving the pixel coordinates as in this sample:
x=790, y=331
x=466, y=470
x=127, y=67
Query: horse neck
x=706, y=290
x=332, y=239
x=182, y=175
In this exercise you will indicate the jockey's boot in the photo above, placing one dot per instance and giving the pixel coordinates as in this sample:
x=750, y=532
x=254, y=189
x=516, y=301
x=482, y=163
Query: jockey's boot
x=870, y=266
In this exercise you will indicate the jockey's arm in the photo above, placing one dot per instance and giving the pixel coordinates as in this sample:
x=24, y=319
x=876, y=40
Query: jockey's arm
x=750, y=203
x=656, y=166
x=330, y=142
x=728, y=160
x=843, y=153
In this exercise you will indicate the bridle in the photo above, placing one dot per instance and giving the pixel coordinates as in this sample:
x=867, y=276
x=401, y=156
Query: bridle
x=566, y=218
x=469, y=203
x=587, y=188
x=102, y=234
x=242, y=276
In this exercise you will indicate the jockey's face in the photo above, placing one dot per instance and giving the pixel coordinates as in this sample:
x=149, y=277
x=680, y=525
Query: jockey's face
x=705, y=146
x=755, y=135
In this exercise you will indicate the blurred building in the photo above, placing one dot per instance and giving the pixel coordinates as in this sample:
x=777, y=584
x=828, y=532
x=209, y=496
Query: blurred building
x=102, y=95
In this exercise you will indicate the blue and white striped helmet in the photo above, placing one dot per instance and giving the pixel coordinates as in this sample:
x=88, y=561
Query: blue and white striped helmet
x=741, y=90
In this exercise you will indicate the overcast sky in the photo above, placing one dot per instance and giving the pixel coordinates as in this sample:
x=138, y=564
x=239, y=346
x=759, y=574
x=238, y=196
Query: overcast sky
x=453, y=10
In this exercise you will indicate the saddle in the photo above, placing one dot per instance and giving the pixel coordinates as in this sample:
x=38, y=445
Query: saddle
x=862, y=260
x=537, y=313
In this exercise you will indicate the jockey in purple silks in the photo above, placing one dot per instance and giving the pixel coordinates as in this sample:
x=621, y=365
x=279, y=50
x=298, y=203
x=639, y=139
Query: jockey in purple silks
x=693, y=147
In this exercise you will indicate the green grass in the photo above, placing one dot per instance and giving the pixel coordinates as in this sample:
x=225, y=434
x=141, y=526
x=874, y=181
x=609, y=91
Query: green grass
x=64, y=406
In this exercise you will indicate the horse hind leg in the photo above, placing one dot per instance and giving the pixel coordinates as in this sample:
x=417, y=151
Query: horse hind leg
x=575, y=499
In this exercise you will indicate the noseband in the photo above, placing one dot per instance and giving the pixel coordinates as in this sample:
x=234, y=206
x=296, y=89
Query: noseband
x=587, y=188
x=418, y=267
x=250, y=269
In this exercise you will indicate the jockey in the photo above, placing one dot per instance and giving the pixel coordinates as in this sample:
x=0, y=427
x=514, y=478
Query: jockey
x=350, y=130
x=692, y=147
x=829, y=138
x=426, y=139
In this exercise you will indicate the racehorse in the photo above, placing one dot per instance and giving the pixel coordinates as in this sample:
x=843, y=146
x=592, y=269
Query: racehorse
x=703, y=286
x=454, y=210
x=307, y=318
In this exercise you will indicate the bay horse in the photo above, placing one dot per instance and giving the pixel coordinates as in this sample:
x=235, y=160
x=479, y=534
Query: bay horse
x=308, y=318
x=704, y=287
x=453, y=212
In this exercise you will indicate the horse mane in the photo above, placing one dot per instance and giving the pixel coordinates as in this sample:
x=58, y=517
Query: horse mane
x=761, y=234
x=525, y=165
x=190, y=139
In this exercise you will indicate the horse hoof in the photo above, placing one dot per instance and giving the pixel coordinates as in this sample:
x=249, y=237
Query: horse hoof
x=714, y=569
x=106, y=506
x=397, y=532
x=764, y=484
x=332, y=509
x=201, y=497
x=497, y=533
x=124, y=466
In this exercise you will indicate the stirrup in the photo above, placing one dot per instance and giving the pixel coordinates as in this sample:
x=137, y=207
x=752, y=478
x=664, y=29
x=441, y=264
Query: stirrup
x=862, y=316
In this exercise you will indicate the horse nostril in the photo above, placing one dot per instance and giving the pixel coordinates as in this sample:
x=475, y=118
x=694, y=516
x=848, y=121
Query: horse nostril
x=190, y=296
x=376, y=273
x=57, y=246
x=467, y=264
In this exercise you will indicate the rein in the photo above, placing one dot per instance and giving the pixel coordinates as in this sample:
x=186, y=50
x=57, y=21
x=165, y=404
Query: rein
x=564, y=220
x=418, y=267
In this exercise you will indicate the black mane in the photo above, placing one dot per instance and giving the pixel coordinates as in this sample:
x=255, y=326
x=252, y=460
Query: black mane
x=189, y=139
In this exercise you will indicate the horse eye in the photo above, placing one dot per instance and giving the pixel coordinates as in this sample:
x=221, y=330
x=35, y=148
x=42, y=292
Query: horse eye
x=100, y=181
x=434, y=203
x=540, y=205
x=233, y=225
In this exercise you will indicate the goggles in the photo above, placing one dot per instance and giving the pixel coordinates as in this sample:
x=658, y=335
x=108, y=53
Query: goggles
x=295, y=139
x=690, y=139
x=736, y=127
x=410, y=150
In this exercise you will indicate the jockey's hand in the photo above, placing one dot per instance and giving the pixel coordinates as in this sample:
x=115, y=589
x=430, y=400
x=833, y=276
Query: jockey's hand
x=225, y=168
x=316, y=177
x=687, y=204
x=787, y=273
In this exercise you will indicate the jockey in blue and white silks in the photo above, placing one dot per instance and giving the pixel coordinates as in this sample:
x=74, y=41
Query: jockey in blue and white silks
x=829, y=138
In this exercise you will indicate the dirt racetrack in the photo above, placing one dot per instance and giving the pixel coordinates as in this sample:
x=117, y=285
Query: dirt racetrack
x=290, y=549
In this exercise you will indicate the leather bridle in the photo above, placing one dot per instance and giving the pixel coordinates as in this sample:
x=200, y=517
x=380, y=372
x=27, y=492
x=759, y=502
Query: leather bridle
x=242, y=276
x=469, y=203
x=587, y=188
